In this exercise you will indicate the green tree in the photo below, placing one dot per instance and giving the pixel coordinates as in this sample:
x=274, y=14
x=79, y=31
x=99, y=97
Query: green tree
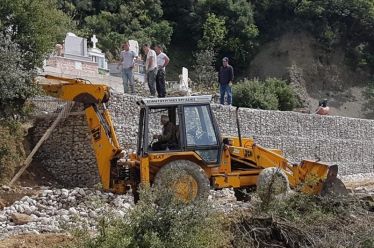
x=241, y=38
x=204, y=74
x=35, y=26
x=15, y=80
x=185, y=21
x=214, y=32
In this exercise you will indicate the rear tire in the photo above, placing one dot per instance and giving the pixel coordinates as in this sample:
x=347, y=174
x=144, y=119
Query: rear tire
x=186, y=179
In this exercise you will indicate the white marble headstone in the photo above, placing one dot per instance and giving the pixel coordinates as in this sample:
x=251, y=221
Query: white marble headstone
x=75, y=45
x=185, y=77
x=134, y=46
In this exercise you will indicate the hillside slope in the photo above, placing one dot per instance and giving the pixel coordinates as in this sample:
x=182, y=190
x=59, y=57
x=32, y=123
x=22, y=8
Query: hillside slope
x=317, y=73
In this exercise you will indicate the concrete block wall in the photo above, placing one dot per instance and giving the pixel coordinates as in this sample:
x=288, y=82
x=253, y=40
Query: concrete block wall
x=344, y=141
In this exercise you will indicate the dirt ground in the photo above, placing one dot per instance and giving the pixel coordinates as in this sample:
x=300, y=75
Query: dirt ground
x=36, y=241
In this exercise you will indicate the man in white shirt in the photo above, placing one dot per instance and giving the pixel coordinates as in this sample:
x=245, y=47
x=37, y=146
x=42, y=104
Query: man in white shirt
x=150, y=68
x=162, y=62
x=127, y=63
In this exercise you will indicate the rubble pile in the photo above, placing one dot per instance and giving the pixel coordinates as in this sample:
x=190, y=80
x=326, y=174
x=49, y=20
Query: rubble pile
x=54, y=210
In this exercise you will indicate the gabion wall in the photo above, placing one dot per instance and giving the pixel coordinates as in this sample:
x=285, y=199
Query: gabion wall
x=348, y=142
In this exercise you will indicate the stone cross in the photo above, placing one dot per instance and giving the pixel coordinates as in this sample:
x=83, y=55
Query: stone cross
x=94, y=41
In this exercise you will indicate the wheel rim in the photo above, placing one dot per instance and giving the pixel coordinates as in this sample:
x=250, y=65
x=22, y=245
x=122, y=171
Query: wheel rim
x=185, y=188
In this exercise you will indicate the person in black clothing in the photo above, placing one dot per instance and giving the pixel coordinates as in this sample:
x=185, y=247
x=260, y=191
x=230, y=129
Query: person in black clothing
x=168, y=138
x=225, y=79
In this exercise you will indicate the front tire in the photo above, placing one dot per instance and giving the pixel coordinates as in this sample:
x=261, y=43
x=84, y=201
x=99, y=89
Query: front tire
x=186, y=179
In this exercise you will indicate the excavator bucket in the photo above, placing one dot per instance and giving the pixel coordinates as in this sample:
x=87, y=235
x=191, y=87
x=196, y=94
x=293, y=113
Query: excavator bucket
x=333, y=186
x=314, y=177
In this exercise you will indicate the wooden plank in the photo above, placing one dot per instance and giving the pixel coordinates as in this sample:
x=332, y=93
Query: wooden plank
x=61, y=116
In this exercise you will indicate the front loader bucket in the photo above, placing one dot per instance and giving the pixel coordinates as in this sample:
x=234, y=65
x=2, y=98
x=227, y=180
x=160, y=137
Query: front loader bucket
x=333, y=186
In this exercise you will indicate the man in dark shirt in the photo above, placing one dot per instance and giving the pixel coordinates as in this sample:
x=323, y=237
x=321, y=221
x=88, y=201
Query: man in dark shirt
x=225, y=79
x=168, y=138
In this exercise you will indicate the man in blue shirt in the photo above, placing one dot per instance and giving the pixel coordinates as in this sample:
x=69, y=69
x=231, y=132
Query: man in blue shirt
x=225, y=79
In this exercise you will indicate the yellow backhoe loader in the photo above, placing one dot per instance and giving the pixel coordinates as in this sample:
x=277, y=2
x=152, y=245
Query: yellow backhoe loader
x=199, y=153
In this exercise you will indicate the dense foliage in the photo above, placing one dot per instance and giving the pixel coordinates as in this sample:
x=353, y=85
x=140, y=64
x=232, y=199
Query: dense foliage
x=16, y=84
x=114, y=21
x=28, y=31
x=269, y=94
x=232, y=28
x=35, y=26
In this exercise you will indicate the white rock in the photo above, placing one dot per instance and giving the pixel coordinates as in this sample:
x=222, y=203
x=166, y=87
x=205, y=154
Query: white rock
x=65, y=217
x=81, y=192
x=71, y=199
x=119, y=213
x=27, y=210
x=47, y=192
x=83, y=214
x=64, y=193
x=25, y=198
x=73, y=211
x=118, y=202
x=92, y=214
x=5, y=188
x=3, y=218
x=62, y=212
x=44, y=220
x=126, y=205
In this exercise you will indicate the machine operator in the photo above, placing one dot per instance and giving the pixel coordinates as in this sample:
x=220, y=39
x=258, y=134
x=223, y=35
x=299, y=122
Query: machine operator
x=168, y=138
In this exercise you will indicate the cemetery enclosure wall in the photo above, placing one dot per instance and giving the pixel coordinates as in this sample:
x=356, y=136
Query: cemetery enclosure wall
x=344, y=141
x=73, y=65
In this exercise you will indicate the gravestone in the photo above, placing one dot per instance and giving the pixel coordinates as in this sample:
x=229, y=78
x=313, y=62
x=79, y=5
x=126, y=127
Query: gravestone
x=75, y=47
x=184, y=83
x=134, y=46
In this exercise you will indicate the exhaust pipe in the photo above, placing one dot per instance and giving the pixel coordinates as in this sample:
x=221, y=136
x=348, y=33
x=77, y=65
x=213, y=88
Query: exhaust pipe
x=238, y=126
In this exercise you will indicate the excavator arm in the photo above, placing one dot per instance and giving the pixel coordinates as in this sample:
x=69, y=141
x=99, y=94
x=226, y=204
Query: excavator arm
x=93, y=97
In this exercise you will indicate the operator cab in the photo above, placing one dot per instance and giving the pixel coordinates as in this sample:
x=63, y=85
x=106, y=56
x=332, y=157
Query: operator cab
x=179, y=124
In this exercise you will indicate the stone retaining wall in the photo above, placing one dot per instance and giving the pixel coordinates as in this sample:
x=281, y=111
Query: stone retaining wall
x=345, y=141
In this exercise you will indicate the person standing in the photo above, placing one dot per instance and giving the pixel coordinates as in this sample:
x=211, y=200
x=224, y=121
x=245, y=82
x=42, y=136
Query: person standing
x=162, y=62
x=127, y=63
x=225, y=79
x=150, y=68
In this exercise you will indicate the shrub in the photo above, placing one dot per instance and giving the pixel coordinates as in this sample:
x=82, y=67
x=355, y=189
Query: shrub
x=272, y=94
x=11, y=149
x=160, y=220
